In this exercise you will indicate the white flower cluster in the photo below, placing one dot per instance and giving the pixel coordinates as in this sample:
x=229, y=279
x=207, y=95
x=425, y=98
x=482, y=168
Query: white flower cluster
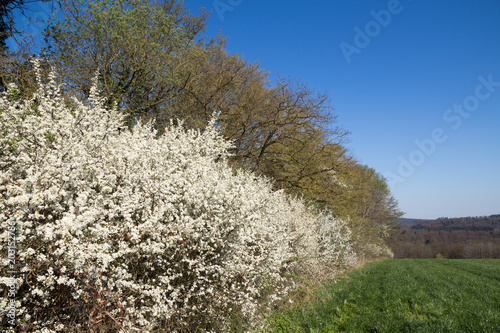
x=140, y=230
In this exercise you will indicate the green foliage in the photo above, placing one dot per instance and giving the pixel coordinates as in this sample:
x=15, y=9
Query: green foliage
x=366, y=200
x=14, y=95
x=51, y=137
x=404, y=296
x=138, y=47
x=281, y=324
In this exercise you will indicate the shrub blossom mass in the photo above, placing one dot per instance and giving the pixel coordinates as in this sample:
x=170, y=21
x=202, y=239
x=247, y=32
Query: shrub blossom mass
x=142, y=231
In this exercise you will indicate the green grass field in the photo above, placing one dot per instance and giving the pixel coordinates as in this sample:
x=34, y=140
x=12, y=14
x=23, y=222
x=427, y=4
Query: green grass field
x=426, y=295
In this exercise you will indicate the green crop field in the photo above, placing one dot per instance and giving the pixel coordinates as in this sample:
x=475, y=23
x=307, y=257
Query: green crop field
x=426, y=295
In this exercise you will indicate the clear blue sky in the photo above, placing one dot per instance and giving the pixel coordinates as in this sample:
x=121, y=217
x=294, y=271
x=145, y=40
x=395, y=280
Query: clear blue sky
x=414, y=75
x=417, y=83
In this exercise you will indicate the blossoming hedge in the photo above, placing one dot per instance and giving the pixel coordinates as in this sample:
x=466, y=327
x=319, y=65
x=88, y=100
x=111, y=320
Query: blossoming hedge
x=119, y=228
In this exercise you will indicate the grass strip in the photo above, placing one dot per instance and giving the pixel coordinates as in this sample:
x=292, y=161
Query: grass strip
x=421, y=295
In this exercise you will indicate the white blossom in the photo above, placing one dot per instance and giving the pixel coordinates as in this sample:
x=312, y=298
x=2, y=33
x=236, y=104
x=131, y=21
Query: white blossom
x=156, y=228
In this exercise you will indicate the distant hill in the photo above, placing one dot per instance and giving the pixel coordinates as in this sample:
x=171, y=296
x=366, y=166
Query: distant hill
x=476, y=223
x=408, y=223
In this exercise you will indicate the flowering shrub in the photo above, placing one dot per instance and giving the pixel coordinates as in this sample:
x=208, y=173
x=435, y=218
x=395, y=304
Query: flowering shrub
x=139, y=231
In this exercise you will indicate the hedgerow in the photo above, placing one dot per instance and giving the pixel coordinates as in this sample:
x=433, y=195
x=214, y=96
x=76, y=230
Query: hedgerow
x=130, y=230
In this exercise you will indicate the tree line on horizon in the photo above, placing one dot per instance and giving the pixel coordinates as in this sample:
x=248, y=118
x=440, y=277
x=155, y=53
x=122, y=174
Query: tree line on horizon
x=452, y=238
x=474, y=223
x=154, y=63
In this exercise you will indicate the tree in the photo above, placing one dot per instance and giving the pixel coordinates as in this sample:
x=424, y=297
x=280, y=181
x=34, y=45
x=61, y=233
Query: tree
x=279, y=130
x=150, y=65
x=15, y=67
x=374, y=210
x=139, y=47
x=7, y=27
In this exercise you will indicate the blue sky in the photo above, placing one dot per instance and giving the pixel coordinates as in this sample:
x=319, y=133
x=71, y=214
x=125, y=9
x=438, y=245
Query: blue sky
x=426, y=71
x=417, y=83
